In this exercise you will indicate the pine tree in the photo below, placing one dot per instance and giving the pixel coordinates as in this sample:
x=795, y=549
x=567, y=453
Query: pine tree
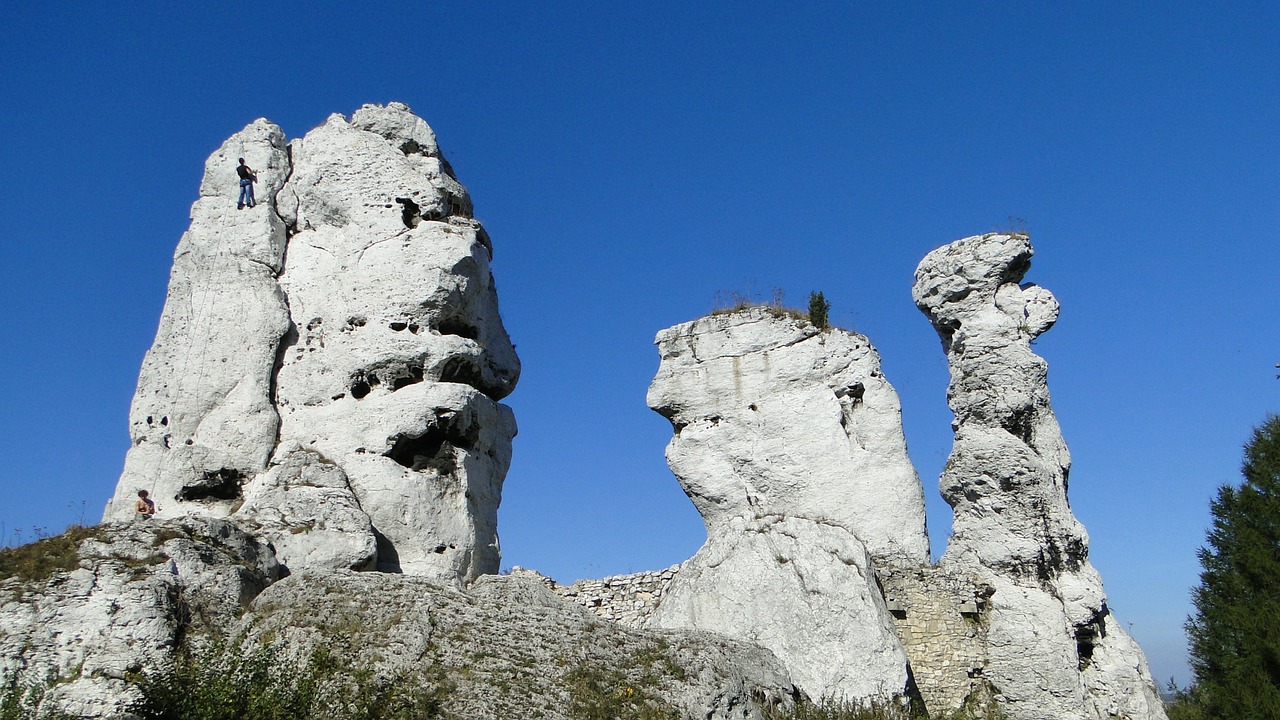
x=1235, y=630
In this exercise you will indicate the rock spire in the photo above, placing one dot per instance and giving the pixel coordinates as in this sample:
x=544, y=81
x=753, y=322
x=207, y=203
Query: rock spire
x=789, y=441
x=1054, y=651
x=329, y=363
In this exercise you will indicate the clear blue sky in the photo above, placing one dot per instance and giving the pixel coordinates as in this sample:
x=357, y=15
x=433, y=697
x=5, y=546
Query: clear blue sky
x=632, y=161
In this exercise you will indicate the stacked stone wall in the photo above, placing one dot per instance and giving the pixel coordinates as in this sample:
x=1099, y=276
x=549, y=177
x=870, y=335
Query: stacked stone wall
x=627, y=600
x=941, y=618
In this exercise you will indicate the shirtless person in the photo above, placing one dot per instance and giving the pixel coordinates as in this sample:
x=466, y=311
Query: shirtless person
x=144, y=508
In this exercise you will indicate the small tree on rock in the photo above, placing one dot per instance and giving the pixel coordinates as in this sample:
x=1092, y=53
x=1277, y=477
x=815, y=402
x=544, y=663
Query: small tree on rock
x=1235, y=629
x=818, y=308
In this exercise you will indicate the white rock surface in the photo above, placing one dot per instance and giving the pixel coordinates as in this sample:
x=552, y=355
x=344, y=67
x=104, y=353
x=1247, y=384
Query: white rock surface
x=1054, y=652
x=773, y=416
x=337, y=391
x=789, y=441
x=803, y=589
x=202, y=415
x=139, y=589
x=305, y=507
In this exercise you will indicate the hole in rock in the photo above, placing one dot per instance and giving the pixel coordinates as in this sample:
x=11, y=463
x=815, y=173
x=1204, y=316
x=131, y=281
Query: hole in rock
x=428, y=451
x=398, y=326
x=410, y=213
x=411, y=147
x=1019, y=425
x=434, y=448
x=356, y=321
x=412, y=374
x=453, y=326
x=462, y=370
x=223, y=484
x=359, y=389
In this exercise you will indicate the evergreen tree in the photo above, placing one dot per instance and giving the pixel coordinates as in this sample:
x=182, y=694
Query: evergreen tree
x=1235, y=630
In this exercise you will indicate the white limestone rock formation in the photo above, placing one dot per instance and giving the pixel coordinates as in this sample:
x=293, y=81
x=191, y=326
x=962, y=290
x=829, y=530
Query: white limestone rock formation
x=1054, y=650
x=339, y=393
x=134, y=592
x=789, y=441
x=801, y=588
x=203, y=410
x=773, y=416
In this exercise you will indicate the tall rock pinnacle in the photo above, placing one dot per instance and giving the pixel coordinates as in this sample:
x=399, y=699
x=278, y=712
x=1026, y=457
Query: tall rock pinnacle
x=1054, y=651
x=789, y=441
x=329, y=363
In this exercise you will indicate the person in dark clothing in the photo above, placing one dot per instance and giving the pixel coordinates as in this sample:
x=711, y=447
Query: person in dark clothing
x=247, y=178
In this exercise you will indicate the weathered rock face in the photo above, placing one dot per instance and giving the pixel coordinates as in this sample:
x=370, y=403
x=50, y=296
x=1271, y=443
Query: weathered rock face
x=329, y=364
x=203, y=413
x=138, y=590
x=803, y=589
x=773, y=416
x=1054, y=651
x=509, y=648
x=789, y=441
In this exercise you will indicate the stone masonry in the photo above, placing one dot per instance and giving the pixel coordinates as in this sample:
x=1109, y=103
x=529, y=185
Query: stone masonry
x=628, y=600
x=941, y=620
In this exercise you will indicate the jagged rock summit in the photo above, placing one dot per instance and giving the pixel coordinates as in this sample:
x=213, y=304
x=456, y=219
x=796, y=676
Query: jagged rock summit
x=329, y=363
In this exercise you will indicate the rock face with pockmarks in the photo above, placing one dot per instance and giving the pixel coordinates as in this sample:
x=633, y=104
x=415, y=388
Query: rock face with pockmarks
x=329, y=363
x=1054, y=651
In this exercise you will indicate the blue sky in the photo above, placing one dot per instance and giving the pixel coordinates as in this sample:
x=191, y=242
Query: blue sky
x=633, y=163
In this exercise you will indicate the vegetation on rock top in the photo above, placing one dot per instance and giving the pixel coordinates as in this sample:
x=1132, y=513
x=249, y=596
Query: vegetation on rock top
x=38, y=560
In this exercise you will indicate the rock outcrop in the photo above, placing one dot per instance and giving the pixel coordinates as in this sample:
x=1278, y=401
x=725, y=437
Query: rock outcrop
x=132, y=594
x=789, y=441
x=509, y=648
x=329, y=363
x=1054, y=651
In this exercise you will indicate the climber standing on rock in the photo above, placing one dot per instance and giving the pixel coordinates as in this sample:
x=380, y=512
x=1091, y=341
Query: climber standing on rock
x=247, y=178
x=144, y=508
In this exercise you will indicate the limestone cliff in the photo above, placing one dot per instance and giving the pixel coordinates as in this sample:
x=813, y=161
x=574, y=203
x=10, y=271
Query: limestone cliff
x=1054, y=651
x=329, y=363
